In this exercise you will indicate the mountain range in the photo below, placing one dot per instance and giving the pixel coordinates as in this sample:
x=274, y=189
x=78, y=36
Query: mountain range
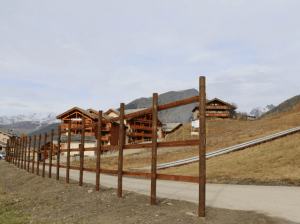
x=27, y=123
x=286, y=106
x=258, y=111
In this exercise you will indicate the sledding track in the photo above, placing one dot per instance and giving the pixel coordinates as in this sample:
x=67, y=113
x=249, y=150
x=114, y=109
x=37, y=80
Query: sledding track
x=226, y=150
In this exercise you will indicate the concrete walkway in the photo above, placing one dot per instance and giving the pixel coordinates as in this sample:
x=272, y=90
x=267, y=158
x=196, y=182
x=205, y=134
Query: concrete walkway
x=271, y=200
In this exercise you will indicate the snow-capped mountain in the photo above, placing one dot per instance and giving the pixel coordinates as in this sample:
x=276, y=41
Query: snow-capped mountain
x=48, y=118
x=257, y=111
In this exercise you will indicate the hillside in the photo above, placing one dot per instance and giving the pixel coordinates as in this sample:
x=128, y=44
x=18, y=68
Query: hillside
x=226, y=133
x=285, y=106
x=181, y=114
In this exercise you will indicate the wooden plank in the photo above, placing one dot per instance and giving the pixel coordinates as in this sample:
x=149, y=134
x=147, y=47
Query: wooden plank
x=7, y=158
x=25, y=155
x=33, y=156
x=19, y=151
x=98, y=151
x=16, y=150
x=23, y=145
x=68, y=154
x=38, y=156
x=44, y=155
x=121, y=144
x=202, y=147
x=137, y=174
x=82, y=151
x=12, y=150
x=154, y=149
x=189, y=179
x=51, y=150
x=29, y=146
x=58, y=152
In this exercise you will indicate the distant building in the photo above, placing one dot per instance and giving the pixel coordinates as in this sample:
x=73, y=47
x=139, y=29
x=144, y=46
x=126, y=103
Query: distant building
x=139, y=128
x=215, y=108
x=4, y=136
x=109, y=131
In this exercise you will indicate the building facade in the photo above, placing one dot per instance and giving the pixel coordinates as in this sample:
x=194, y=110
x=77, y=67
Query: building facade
x=139, y=129
x=215, y=108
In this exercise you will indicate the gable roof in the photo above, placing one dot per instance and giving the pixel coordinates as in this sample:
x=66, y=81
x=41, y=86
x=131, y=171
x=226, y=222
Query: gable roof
x=229, y=105
x=103, y=114
x=79, y=109
x=112, y=110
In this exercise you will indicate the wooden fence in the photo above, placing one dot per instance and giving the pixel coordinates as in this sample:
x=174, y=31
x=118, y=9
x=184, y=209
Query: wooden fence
x=18, y=149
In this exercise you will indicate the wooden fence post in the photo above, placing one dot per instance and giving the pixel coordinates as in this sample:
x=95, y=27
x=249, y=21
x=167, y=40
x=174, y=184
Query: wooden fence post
x=19, y=152
x=154, y=149
x=7, y=151
x=98, y=150
x=29, y=145
x=23, y=145
x=44, y=155
x=38, y=155
x=68, y=153
x=16, y=149
x=82, y=151
x=202, y=146
x=51, y=151
x=58, y=152
x=121, y=145
x=25, y=156
x=12, y=150
x=33, y=156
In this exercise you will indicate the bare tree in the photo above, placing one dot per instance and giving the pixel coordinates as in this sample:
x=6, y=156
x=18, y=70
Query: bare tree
x=232, y=110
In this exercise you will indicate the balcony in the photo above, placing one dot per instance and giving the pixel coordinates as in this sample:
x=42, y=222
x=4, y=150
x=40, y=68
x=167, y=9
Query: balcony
x=217, y=115
x=143, y=127
x=217, y=107
x=141, y=134
x=105, y=138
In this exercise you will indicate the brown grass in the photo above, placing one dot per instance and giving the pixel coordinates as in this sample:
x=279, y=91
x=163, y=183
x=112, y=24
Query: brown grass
x=278, y=159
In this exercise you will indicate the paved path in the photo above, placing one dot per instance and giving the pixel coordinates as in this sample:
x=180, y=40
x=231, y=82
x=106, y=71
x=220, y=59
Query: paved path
x=271, y=200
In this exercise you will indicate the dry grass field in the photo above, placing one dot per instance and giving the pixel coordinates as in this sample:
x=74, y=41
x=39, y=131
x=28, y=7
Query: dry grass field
x=270, y=162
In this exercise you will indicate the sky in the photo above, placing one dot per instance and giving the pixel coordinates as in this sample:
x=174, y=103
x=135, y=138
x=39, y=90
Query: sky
x=58, y=54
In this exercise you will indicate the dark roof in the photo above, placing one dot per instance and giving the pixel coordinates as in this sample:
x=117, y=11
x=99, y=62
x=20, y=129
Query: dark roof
x=81, y=110
x=103, y=114
x=171, y=126
x=207, y=102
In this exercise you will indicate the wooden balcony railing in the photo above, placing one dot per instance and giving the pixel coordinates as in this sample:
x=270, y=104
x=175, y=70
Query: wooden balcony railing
x=217, y=107
x=64, y=126
x=140, y=134
x=217, y=115
x=143, y=127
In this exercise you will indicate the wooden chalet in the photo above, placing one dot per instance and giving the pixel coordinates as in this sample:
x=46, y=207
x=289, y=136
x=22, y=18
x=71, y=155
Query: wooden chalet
x=215, y=108
x=139, y=128
x=109, y=131
x=48, y=144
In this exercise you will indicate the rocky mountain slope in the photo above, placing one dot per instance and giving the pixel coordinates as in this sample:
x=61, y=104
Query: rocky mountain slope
x=285, y=106
x=181, y=114
x=258, y=111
